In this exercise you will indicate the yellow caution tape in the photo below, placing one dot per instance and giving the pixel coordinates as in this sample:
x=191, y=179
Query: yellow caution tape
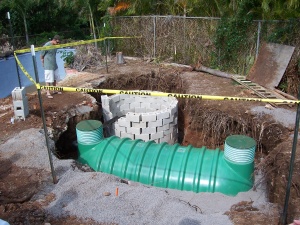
x=148, y=93
x=23, y=69
x=70, y=44
x=164, y=94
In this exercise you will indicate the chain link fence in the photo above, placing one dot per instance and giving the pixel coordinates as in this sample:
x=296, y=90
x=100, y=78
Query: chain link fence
x=190, y=40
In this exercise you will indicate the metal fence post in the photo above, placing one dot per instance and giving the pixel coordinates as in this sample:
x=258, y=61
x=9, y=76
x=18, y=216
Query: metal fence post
x=154, y=37
x=258, y=38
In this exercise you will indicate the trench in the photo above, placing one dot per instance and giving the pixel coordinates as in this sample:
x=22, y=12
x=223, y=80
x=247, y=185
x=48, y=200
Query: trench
x=197, y=126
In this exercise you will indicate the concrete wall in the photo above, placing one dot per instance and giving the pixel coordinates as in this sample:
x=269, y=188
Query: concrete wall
x=142, y=117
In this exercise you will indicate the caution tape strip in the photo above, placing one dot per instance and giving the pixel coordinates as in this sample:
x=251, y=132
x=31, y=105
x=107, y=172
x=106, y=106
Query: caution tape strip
x=24, y=71
x=147, y=93
x=164, y=94
x=70, y=44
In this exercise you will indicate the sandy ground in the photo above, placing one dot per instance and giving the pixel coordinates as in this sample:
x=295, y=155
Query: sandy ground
x=82, y=194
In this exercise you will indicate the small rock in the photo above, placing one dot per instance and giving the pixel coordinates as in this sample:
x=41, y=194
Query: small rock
x=106, y=193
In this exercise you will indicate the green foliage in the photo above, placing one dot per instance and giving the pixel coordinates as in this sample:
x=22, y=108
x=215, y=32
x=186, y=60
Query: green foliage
x=284, y=32
x=68, y=57
x=283, y=86
x=231, y=35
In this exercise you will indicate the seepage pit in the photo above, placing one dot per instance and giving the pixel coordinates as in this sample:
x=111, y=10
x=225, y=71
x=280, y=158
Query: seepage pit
x=82, y=196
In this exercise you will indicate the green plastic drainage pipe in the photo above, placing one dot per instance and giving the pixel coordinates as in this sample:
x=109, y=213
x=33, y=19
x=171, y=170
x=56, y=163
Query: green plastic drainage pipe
x=174, y=166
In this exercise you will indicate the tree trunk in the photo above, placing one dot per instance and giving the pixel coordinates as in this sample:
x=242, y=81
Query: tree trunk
x=26, y=30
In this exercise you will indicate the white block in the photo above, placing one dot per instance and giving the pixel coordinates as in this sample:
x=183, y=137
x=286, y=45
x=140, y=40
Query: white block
x=135, y=105
x=140, y=110
x=157, y=135
x=18, y=93
x=148, y=130
x=145, y=105
x=144, y=137
x=124, y=96
x=166, y=132
x=147, y=117
x=140, y=124
x=157, y=123
x=133, y=130
x=21, y=109
x=165, y=138
x=167, y=120
x=123, y=122
x=115, y=98
x=127, y=135
x=129, y=100
x=133, y=117
x=124, y=107
x=163, y=114
x=164, y=127
x=105, y=100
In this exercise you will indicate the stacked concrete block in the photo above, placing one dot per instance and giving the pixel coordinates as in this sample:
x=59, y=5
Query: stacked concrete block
x=145, y=117
x=20, y=103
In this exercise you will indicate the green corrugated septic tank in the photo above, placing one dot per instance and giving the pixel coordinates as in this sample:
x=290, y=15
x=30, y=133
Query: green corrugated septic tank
x=169, y=166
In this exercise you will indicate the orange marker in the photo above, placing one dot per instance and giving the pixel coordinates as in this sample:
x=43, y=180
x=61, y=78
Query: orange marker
x=117, y=191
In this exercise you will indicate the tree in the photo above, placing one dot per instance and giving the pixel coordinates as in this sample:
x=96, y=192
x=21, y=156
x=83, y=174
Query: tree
x=21, y=7
x=85, y=8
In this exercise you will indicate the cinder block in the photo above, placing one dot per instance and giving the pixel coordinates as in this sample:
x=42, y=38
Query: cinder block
x=147, y=117
x=124, y=107
x=113, y=106
x=157, y=123
x=121, y=113
x=129, y=100
x=148, y=130
x=163, y=114
x=133, y=130
x=167, y=120
x=127, y=135
x=119, y=128
x=174, y=110
x=116, y=132
x=166, y=132
x=134, y=105
x=124, y=96
x=140, y=110
x=145, y=105
x=144, y=137
x=164, y=127
x=21, y=109
x=140, y=124
x=157, y=135
x=133, y=117
x=18, y=94
x=125, y=111
x=123, y=122
x=165, y=138
x=105, y=100
x=115, y=98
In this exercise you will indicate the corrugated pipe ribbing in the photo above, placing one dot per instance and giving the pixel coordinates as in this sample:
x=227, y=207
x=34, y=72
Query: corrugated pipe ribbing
x=170, y=166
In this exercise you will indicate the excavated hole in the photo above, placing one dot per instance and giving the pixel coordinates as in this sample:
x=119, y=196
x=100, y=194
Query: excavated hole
x=199, y=124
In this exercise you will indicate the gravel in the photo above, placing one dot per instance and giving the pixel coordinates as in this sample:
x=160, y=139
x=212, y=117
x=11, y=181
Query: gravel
x=93, y=194
x=284, y=116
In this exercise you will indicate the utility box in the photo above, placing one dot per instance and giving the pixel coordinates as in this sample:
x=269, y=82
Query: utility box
x=120, y=58
x=20, y=103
